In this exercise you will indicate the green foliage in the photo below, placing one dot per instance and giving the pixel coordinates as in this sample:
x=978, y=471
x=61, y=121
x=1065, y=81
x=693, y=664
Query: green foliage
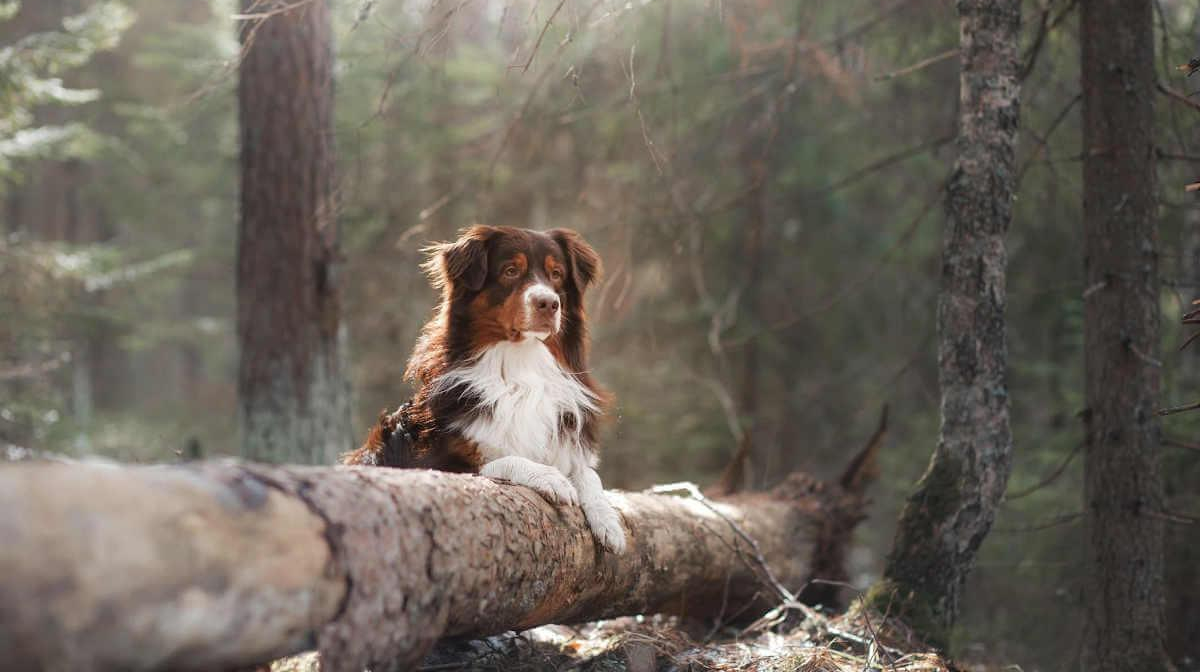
x=31, y=72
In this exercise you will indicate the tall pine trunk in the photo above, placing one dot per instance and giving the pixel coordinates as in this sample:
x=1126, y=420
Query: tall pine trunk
x=951, y=511
x=293, y=398
x=1122, y=484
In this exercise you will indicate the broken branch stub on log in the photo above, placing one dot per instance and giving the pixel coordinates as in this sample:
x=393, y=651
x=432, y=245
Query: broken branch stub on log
x=219, y=565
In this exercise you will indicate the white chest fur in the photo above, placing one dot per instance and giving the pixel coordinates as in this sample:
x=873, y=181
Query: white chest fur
x=524, y=393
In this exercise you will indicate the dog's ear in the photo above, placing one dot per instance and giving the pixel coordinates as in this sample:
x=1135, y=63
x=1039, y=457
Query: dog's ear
x=462, y=263
x=582, y=260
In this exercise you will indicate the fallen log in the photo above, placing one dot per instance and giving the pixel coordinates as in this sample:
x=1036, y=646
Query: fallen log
x=220, y=565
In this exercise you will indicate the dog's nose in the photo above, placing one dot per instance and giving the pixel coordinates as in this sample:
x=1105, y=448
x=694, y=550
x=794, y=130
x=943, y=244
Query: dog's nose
x=546, y=304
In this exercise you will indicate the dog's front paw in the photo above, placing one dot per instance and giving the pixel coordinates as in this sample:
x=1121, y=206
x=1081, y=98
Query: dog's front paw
x=547, y=481
x=605, y=523
x=555, y=487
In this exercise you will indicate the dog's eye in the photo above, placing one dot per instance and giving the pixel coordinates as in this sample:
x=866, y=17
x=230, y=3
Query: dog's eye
x=556, y=275
x=511, y=272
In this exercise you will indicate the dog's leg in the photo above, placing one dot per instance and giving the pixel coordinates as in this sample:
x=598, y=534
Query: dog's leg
x=601, y=516
x=546, y=480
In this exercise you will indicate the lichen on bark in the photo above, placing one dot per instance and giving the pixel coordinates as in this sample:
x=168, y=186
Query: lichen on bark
x=913, y=588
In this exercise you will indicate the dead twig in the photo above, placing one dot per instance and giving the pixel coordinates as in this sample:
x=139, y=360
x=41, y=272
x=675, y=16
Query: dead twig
x=1093, y=289
x=1045, y=27
x=1044, y=140
x=1165, y=155
x=919, y=65
x=274, y=11
x=529, y=98
x=890, y=160
x=1056, y=521
x=1177, y=96
x=1169, y=516
x=1142, y=356
x=541, y=36
x=1193, y=316
x=865, y=25
x=864, y=468
x=1190, y=67
x=1186, y=445
x=1050, y=478
x=1177, y=409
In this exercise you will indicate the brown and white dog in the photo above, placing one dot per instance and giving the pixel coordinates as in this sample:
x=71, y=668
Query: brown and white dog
x=502, y=373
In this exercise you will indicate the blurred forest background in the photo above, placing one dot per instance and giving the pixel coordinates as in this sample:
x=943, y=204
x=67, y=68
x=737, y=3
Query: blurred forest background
x=763, y=179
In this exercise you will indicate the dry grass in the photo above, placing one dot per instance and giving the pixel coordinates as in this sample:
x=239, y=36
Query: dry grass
x=852, y=642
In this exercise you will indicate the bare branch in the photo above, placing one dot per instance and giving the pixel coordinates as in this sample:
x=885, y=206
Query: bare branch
x=1186, y=445
x=541, y=36
x=919, y=65
x=1043, y=140
x=1178, y=409
x=890, y=160
x=1178, y=96
x=1045, y=27
x=1050, y=478
x=1056, y=521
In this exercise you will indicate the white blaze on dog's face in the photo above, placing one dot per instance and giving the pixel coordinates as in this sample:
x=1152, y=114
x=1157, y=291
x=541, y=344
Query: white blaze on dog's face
x=543, y=311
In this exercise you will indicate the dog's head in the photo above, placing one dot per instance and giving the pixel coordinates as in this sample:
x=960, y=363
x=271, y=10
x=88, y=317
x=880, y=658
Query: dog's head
x=513, y=284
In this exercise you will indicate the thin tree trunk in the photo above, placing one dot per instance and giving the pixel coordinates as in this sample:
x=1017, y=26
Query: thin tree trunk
x=948, y=516
x=221, y=565
x=293, y=396
x=1122, y=483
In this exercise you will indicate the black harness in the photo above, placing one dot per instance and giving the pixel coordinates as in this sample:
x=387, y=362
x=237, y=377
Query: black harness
x=398, y=440
x=399, y=426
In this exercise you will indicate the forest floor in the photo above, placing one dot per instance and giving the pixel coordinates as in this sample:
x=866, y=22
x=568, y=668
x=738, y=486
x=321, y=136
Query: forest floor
x=851, y=642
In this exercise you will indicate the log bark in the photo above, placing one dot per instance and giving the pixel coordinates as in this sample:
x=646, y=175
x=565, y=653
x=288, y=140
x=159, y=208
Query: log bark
x=215, y=566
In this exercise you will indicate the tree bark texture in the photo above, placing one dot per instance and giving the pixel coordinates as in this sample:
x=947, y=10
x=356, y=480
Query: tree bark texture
x=1122, y=480
x=946, y=519
x=293, y=394
x=218, y=565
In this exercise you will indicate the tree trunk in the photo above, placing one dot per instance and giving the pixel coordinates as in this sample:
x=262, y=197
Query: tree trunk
x=293, y=397
x=221, y=565
x=1122, y=482
x=946, y=519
